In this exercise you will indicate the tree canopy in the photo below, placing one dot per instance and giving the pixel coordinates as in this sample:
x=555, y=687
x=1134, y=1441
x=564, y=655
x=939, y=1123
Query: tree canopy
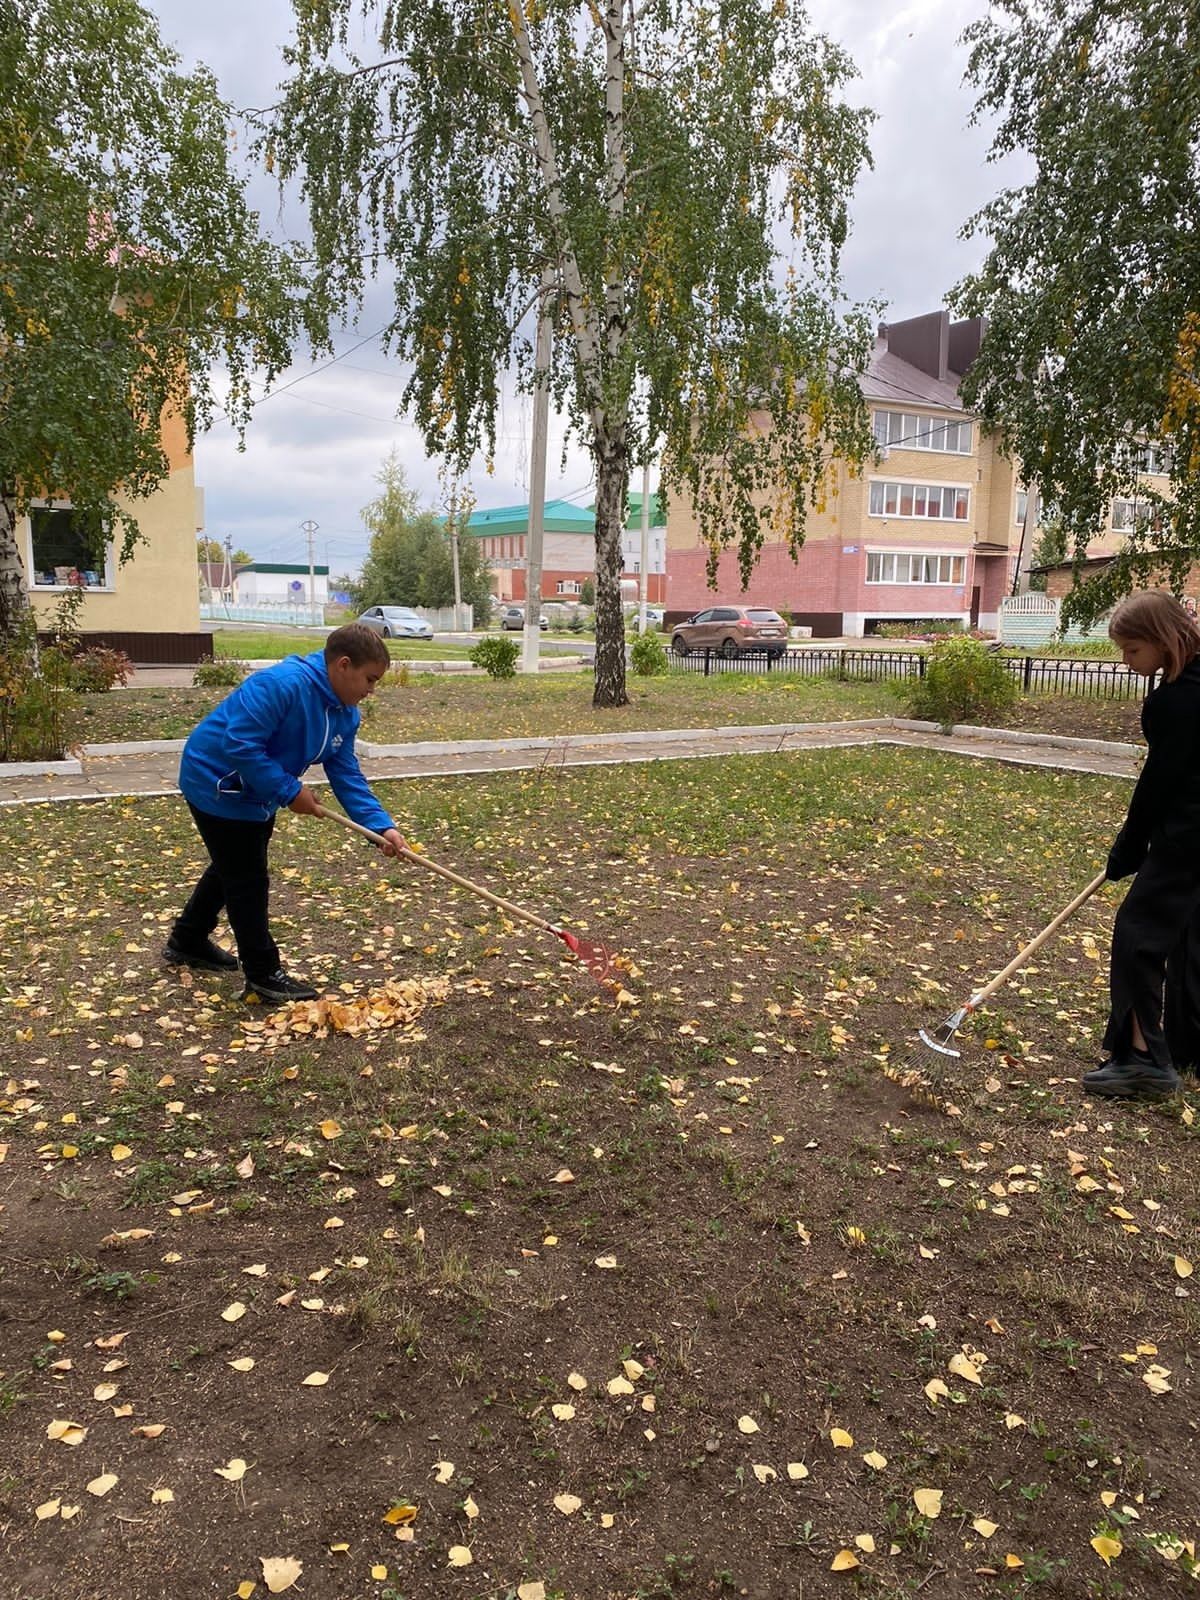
x=410, y=561
x=1092, y=282
x=636, y=161
x=130, y=265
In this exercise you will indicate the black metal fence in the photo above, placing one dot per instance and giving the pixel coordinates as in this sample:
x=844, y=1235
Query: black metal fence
x=1097, y=680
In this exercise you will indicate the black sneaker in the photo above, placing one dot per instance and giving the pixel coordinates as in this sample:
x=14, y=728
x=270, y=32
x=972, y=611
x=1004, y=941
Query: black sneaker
x=208, y=957
x=278, y=989
x=1135, y=1079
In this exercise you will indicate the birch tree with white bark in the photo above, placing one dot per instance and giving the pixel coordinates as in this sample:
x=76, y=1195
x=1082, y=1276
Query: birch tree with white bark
x=682, y=169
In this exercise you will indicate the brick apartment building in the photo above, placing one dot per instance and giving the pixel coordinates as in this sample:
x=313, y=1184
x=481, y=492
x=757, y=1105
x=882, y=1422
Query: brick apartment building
x=568, y=550
x=930, y=531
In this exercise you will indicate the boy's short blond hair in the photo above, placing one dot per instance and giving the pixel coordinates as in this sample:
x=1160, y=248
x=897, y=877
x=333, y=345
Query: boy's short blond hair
x=359, y=643
x=1158, y=618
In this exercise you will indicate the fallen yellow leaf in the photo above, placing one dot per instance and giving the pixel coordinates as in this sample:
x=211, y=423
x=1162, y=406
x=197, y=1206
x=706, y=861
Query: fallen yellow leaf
x=233, y=1312
x=840, y=1439
x=844, y=1561
x=233, y=1472
x=928, y=1502
x=1107, y=1548
x=315, y=1380
x=280, y=1572
x=984, y=1528
x=568, y=1504
x=101, y=1485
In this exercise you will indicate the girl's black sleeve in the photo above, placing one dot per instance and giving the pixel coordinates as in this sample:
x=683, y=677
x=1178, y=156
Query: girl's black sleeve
x=1171, y=722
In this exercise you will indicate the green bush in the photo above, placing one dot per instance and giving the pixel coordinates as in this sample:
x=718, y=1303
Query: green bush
x=963, y=681
x=498, y=657
x=211, y=673
x=97, y=669
x=647, y=656
x=38, y=698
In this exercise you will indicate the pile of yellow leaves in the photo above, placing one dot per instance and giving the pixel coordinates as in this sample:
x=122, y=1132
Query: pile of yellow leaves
x=397, y=1004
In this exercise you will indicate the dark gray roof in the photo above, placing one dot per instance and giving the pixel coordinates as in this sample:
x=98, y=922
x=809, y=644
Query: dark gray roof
x=896, y=382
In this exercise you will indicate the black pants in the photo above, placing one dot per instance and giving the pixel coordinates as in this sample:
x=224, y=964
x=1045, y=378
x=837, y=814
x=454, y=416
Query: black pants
x=1155, y=969
x=236, y=879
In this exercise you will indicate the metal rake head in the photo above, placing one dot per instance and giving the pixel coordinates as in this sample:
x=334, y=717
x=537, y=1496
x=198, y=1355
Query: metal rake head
x=597, y=958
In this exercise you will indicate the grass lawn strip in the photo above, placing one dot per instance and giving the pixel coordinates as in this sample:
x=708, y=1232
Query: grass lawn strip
x=477, y=708
x=708, y=1202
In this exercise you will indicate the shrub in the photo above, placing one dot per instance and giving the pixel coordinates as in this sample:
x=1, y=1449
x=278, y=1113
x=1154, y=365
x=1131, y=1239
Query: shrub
x=498, y=657
x=647, y=656
x=963, y=680
x=212, y=673
x=96, y=669
x=35, y=700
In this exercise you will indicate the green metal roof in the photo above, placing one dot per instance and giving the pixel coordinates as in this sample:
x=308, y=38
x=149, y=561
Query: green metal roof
x=560, y=517
x=281, y=566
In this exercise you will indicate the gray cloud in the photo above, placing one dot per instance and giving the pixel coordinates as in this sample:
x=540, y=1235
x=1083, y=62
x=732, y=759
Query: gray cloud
x=315, y=450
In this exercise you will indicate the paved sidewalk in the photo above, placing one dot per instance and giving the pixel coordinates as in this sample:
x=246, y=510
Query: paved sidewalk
x=152, y=770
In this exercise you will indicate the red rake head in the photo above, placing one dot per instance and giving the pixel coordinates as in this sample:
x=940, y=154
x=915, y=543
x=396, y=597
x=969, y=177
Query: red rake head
x=597, y=958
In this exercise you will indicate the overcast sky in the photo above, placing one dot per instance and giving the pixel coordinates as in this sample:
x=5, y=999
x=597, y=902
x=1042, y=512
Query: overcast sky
x=313, y=452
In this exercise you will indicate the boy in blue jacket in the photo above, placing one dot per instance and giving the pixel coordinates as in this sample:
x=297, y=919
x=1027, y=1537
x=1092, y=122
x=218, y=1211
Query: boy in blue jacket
x=243, y=762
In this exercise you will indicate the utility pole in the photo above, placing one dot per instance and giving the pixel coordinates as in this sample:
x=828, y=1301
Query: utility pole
x=1020, y=579
x=227, y=571
x=644, y=563
x=309, y=528
x=454, y=557
x=537, y=473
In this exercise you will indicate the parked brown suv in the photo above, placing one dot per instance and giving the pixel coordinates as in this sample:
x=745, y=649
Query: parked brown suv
x=733, y=630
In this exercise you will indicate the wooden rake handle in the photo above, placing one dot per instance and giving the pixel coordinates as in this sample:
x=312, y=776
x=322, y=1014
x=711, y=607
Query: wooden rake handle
x=1036, y=943
x=509, y=907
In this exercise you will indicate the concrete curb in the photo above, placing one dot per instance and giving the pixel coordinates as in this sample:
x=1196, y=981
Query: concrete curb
x=1060, y=741
x=70, y=768
x=150, y=747
x=370, y=750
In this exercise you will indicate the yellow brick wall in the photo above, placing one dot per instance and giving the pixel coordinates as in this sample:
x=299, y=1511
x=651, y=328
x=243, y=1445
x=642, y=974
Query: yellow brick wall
x=157, y=590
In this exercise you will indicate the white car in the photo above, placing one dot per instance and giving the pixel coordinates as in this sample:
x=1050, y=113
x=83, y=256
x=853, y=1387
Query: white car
x=396, y=622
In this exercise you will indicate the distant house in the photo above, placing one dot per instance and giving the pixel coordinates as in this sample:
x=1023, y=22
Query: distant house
x=280, y=583
x=150, y=606
x=568, y=550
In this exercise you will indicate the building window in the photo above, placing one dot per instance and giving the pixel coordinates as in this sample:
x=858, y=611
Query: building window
x=930, y=502
x=66, y=547
x=1130, y=514
x=1149, y=460
x=912, y=566
x=569, y=586
x=911, y=430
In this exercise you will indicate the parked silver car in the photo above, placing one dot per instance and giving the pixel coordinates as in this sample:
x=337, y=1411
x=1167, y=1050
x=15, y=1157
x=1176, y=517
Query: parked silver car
x=512, y=618
x=396, y=622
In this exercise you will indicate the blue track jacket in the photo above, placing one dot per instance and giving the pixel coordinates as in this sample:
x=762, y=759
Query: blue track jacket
x=244, y=760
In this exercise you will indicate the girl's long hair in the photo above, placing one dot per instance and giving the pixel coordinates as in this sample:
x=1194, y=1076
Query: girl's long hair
x=1157, y=617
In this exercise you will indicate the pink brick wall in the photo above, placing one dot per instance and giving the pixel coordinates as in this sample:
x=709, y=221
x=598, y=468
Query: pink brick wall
x=826, y=580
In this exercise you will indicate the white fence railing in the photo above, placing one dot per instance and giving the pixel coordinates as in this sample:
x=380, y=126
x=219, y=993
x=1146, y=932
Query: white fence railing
x=286, y=613
x=282, y=612
x=1035, y=619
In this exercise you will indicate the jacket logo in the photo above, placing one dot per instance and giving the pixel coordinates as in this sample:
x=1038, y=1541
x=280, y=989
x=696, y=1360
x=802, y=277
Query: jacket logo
x=336, y=742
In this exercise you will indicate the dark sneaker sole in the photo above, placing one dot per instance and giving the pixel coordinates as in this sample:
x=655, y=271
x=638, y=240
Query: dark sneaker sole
x=268, y=997
x=1133, y=1088
x=199, y=963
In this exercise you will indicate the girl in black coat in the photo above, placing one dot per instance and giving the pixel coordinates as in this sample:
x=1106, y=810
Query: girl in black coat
x=1154, y=982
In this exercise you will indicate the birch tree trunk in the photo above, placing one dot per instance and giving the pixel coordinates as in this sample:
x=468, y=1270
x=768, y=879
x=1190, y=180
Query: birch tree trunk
x=14, y=601
x=611, y=455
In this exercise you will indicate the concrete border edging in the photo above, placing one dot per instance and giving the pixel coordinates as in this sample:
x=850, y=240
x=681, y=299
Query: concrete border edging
x=128, y=747
x=71, y=767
